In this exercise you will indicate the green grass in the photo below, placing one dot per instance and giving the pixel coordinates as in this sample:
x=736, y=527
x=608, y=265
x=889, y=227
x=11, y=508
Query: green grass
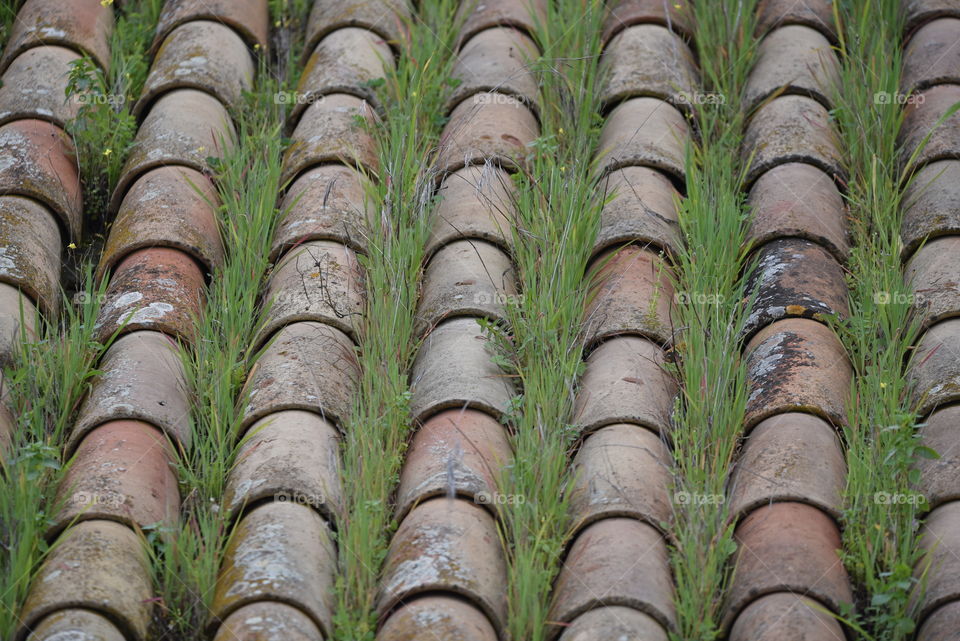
x=558, y=211
x=879, y=540
x=104, y=128
x=187, y=559
x=375, y=435
x=713, y=309
x=43, y=387
x=8, y=12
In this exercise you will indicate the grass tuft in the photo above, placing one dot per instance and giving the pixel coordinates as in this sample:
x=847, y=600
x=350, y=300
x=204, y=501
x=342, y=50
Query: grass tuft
x=558, y=210
x=187, y=558
x=376, y=433
x=712, y=310
x=880, y=544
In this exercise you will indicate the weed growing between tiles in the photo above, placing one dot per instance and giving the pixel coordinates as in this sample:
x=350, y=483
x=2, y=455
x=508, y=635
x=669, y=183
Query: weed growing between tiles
x=286, y=42
x=43, y=387
x=8, y=12
x=186, y=561
x=710, y=316
x=880, y=544
x=377, y=431
x=558, y=211
x=105, y=126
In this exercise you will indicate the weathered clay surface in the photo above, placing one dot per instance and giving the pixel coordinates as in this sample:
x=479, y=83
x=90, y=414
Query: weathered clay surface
x=446, y=545
x=454, y=369
x=30, y=250
x=474, y=202
x=329, y=132
x=933, y=273
x=644, y=132
x=204, y=55
x=39, y=162
x=249, y=18
x=82, y=25
x=614, y=622
x=934, y=373
x=328, y=202
x=7, y=422
x=496, y=60
x=268, y=620
x=795, y=278
x=122, y=471
x=918, y=12
x=789, y=457
x=346, y=61
x=443, y=616
x=941, y=624
x=183, y=127
x=100, y=566
x=793, y=59
x=631, y=292
x=79, y=625
x=642, y=209
x=625, y=382
x=465, y=278
x=519, y=14
x=922, y=117
x=622, y=470
x=488, y=127
x=788, y=547
x=167, y=207
x=791, y=129
x=678, y=16
x=157, y=289
x=932, y=57
x=386, y=18
x=141, y=379
x=816, y=14
x=931, y=204
x=798, y=200
x=940, y=539
x=615, y=561
x=797, y=365
x=940, y=477
x=454, y=453
x=18, y=320
x=648, y=60
x=307, y=366
x=280, y=551
x=319, y=280
x=783, y=615
x=291, y=456
x=35, y=84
